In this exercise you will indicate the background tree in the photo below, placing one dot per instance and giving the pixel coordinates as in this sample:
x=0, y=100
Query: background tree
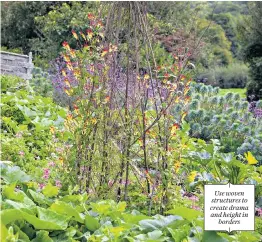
x=17, y=23
x=252, y=39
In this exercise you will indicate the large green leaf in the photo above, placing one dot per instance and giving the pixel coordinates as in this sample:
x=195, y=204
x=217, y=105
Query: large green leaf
x=39, y=198
x=185, y=212
x=49, y=220
x=27, y=111
x=91, y=223
x=180, y=233
x=133, y=219
x=4, y=232
x=14, y=174
x=50, y=190
x=10, y=215
x=46, y=220
x=10, y=193
x=154, y=235
x=76, y=198
x=212, y=236
x=21, y=235
x=42, y=236
x=27, y=207
x=67, y=209
x=158, y=222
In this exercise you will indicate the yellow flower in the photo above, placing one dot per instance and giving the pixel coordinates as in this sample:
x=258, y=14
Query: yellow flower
x=63, y=73
x=177, y=165
x=116, y=231
x=31, y=184
x=52, y=129
x=67, y=83
x=251, y=160
x=61, y=160
x=192, y=176
x=93, y=121
x=146, y=77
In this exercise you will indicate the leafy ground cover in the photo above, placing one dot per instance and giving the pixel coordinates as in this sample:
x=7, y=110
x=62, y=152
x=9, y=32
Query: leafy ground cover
x=50, y=215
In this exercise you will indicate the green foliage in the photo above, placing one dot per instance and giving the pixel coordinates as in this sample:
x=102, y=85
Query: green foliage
x=233, y=76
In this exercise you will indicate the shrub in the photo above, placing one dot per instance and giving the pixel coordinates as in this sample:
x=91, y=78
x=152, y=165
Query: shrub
x=232, y=76
x=14, y=50
x=254, y=86
x=26, y=120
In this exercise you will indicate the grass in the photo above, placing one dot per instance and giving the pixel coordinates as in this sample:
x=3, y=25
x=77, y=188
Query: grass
x=240, y=91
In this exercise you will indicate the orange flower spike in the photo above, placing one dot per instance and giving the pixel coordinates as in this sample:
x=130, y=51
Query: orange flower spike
x=89, y=33
x=186, y=90
x=166, y=75
x=66, y=45
x=67, y=92
x=176, y=125
x=73, y=53
x=99, y=24
x=107, y=99
x=69, y=117
x=182, y=78
x=83, y=36
x=67, y=83
x=104, y=52
x=69, y=66
x=86, y=47
x=90, y=16
x=174, y=128
x=175, y=57
x=75, y=107
x=63, y=73
x=66, y=58
x=74, y=34
x=140, y=142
